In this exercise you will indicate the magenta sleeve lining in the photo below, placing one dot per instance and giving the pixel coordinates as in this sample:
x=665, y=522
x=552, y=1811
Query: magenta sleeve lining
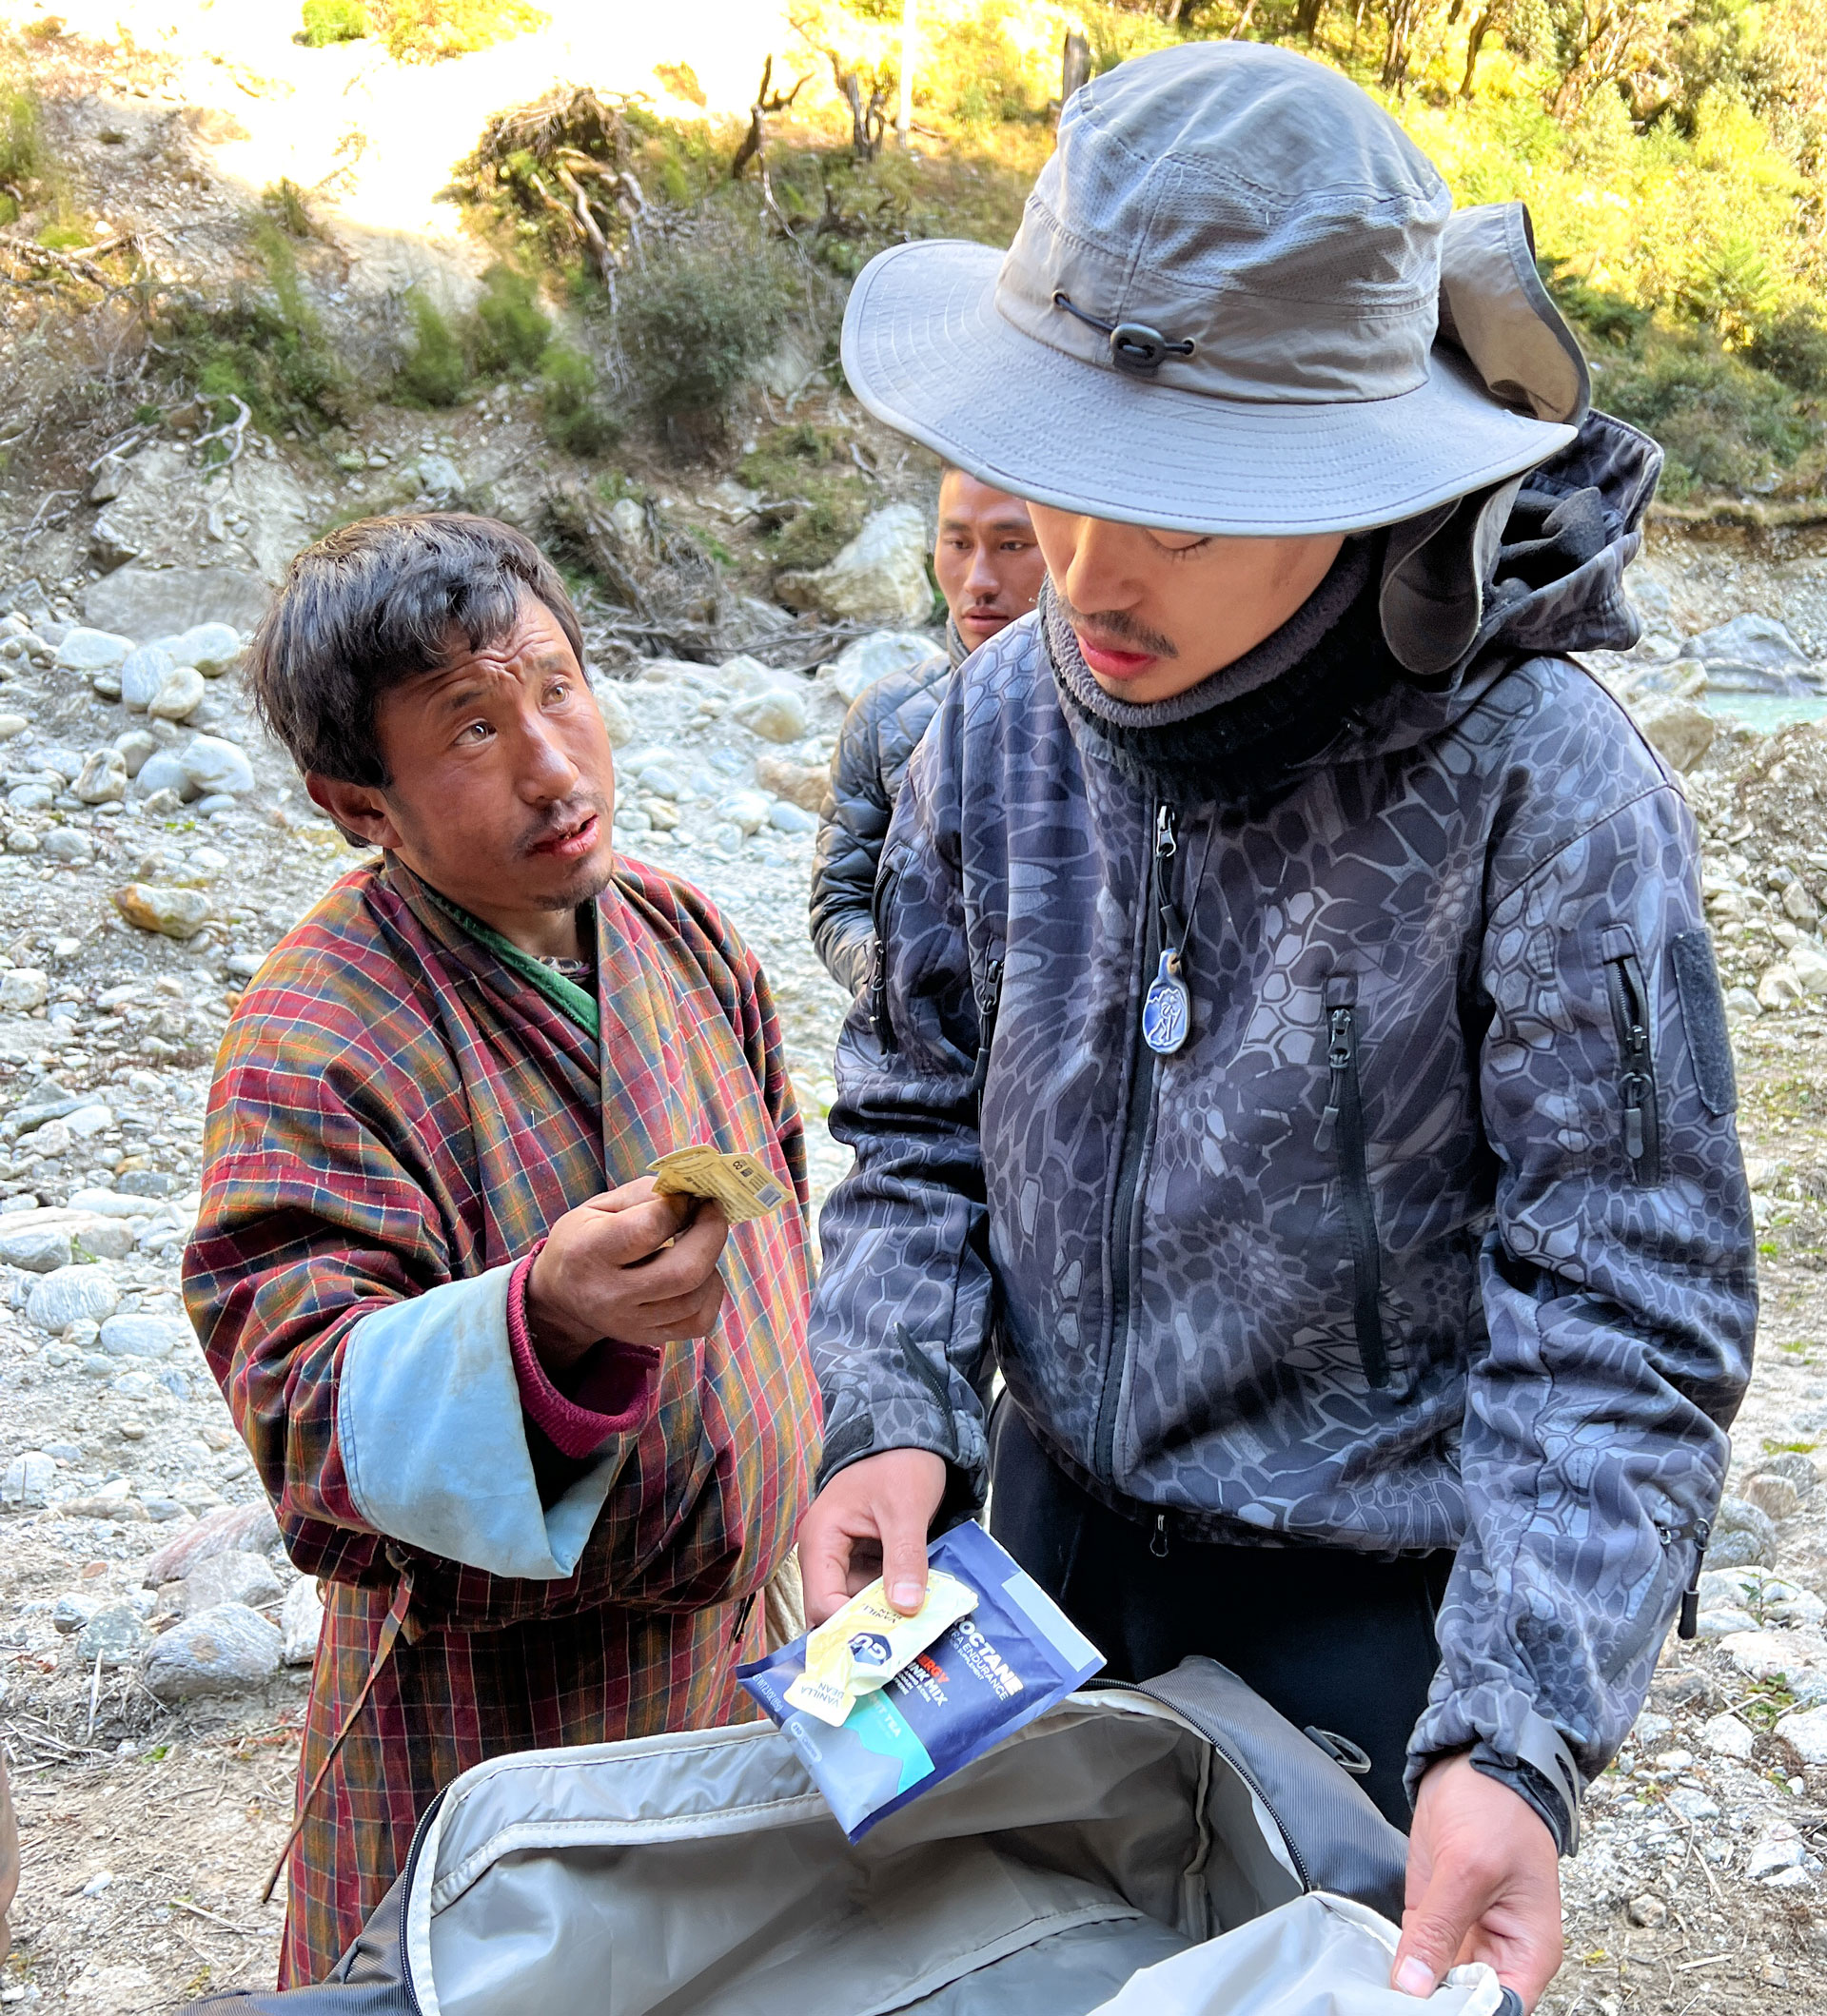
x=612, y=1387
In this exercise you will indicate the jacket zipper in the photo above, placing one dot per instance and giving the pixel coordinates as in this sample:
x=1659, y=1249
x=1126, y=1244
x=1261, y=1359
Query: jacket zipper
x=989, y=1002
x=878, y=1016
x=1688, y=1624
x=1630, y=1017
x=1342, y=1120
x=1142, y=1066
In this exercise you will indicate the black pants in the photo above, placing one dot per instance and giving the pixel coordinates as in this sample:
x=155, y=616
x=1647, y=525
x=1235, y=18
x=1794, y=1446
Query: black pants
x=1337, y=1640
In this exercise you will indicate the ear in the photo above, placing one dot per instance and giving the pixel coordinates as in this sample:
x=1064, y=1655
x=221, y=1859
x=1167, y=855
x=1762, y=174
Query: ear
x=359, y=810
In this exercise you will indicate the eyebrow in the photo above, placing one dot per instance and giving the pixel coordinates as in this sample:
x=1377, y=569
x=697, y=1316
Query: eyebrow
x=994, y=524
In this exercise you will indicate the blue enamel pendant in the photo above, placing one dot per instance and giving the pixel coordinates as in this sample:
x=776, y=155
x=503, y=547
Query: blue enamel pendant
x=1167, y=1007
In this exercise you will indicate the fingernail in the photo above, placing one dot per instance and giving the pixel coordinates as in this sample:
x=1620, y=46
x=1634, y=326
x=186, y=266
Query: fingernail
x=1414, y=1977
x=906, y=1596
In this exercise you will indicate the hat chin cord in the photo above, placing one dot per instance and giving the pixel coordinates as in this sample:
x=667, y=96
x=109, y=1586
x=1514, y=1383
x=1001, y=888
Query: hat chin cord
x=1134, y=346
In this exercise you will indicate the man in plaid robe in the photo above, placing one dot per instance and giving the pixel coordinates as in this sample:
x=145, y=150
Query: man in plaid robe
x=437, y=1287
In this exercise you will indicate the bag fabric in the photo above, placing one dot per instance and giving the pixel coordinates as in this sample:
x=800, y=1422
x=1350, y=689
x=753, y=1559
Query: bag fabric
x=702, y=1873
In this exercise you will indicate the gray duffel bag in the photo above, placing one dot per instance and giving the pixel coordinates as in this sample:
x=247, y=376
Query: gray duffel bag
x=1181, y=1828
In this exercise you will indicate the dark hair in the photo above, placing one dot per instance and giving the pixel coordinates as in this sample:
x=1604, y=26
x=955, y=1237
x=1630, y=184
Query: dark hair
x=374, y=603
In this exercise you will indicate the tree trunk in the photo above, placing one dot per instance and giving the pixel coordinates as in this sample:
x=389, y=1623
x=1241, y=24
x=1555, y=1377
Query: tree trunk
x=910, y=48
x=1479, y=27
x=1307, y=17
x=1075, y=67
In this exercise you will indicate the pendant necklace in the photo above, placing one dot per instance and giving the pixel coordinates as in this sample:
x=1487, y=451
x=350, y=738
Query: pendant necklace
x=1167, y=1007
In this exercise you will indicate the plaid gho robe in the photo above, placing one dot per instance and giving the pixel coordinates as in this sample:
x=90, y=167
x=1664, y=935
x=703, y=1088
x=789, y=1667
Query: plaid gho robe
x=396, y=1112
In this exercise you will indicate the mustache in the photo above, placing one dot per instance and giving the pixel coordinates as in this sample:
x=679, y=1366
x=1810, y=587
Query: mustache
x=1118, y=630
x=563, y=818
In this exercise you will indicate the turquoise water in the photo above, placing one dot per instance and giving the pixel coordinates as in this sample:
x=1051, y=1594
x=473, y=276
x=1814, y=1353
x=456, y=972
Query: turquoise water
x=1764, y=711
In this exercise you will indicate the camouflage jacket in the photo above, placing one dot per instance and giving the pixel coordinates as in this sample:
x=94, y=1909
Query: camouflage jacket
x=1435, y=1233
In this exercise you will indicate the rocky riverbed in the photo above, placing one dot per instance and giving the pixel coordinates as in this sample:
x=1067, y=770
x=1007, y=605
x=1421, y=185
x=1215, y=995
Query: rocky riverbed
x=154, y=1642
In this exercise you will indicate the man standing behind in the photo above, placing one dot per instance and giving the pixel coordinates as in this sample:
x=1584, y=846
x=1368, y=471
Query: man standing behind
x=990, y=568
x=543, y=1432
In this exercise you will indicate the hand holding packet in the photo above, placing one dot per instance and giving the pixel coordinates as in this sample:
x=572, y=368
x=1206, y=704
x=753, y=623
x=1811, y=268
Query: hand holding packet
x=865, y=1644
x=986, y=1674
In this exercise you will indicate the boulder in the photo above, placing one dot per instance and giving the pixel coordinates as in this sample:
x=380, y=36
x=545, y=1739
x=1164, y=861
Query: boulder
x=860, y=664
x=300, y=1621
x=179, y=696
x=144, y=1336
x=776, y=715
x=144, y=670
x=1741, y=1537
x=228, y=1650
x=1806, y=1733
x=23, y=988
x=1679, y=732
x=1798, y=1658
x=1779, y=988
x=617, y=723
x=163, y=774
x=213, y=765
x=1776, y=1495
x=212, y=648
x=65, y=844
x=228, y=1528
x=27, y=1481
x=1753, y=653
x=172, y=913
x=114, y=1635
x=747, y=810
x=148, y=602
x=880, y=577
x=86, y=651
x=103, y=777
x=801, y=784
x=42, y=1240
x=233, y=1577
x=73, y=1295
x=1810, y=969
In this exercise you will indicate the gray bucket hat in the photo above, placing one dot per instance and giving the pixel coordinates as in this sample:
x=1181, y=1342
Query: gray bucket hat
x=1239, y=301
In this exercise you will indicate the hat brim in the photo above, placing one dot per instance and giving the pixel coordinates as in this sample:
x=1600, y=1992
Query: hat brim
x=927, y=353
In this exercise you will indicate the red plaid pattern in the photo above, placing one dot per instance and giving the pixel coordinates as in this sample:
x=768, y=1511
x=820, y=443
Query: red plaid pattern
x=394, y=1109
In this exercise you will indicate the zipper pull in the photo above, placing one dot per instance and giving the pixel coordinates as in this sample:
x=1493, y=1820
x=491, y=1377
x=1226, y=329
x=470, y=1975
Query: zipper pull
x=1166, y=832
x=1689, y=1626
x=1634, y=1136
x=1158, y=1546
x=1338, y=1058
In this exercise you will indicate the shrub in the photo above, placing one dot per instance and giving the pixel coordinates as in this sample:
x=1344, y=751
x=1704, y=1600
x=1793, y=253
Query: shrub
x=434, y=371
x=575, y=418
x=289, y=208
x=512, y=330
x=427, y=30
x=1723, y=422
x=818, y=500
x=1793, y=346
x=700, y=318
x=330, y=21
x=268, y=350
x=22, y=155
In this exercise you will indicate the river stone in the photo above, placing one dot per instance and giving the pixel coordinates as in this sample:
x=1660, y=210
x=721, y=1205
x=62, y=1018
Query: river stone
x=234, y=1576
x=85, y=649
x=226, y=1530
x=173, y=912
x=617, y=723
x=787, y=818
x=1752, y=654
x=1772, y=1495
x=23, y=988
x=1798, y=1468
x=28, y=1480
x=144, y=1336
x=1726, y=1737
x=103, y=777
x=70, y=1612
x=39, y=1247
x=181, y=694
x=1798, y=1658
x=73, y=1295
x=776, y=715
x=1679, y=732
x=212, y=765
x=145, y=671
x=1809, y=966
x=228, y=1650
x=1806, y=1734
x=164, y=771
x=747, y=810
x=64, y=844
x=801, y=784
x=859, y=665
x=212, y=648
x=301, y=1620
x=136, y=748
x=115, y=1635
x=1742, y=1537
x=878, y=578
x=148, y=602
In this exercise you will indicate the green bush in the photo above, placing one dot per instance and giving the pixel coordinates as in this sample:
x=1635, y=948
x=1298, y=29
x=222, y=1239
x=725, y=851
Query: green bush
x=329, y=21
x=1793, y=346
x=434, y=371
x=289, y=208
x=427, y=30
x=22, y=155
x=266, y=349
x=1722, y=423
x=805, y=471
x=575, y=418
x=698, y=322
x=512, y=330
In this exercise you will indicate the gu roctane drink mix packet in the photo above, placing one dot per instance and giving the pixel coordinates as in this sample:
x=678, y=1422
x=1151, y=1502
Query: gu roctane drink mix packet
x=988, y=1674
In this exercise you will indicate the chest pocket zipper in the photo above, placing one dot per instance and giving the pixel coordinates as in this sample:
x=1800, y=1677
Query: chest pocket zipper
x=1343, y=1122
x=878, y=1016
x=1629, y=997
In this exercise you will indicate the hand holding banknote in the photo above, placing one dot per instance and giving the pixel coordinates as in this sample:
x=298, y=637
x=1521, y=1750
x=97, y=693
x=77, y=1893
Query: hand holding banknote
x=631, y=1265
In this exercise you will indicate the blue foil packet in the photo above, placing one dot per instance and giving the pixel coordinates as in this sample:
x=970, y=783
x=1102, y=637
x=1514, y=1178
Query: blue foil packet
x=986, y=1676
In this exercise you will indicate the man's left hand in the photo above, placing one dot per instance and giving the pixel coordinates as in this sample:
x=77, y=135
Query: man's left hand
x=1483, y=1884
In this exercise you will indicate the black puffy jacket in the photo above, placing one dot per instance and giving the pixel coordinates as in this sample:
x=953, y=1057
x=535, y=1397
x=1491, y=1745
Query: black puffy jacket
x=881, y=733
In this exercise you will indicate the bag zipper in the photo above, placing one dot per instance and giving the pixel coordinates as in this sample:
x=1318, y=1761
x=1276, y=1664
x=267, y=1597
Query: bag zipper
x=407, y=1876
x=1342, y=1120
x=1630, y=1017
x=1144, y=1064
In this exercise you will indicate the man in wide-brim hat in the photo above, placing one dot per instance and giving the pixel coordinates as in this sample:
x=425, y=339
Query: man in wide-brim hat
x=1297, y=1061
